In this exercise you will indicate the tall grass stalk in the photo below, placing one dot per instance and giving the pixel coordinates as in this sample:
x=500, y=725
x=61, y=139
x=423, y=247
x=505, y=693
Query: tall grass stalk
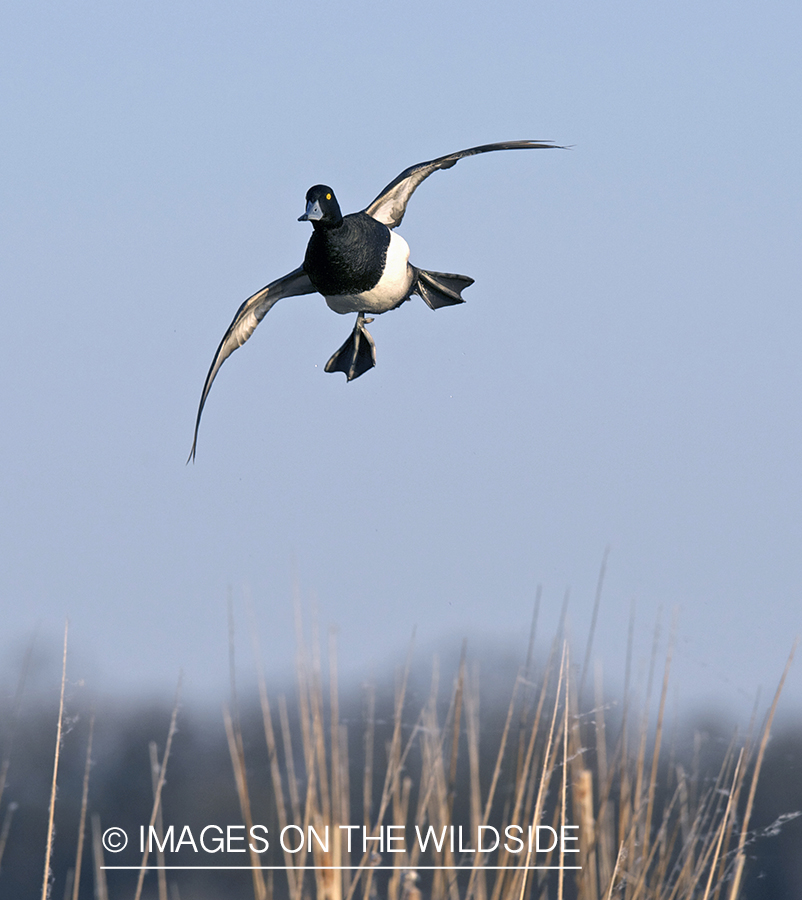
x=101, y=887
x=155, y=770
x=646, y=829
x=270, y=741
x=51, y=814
x=740, y=859
x=156, y=799
x=79, y=852
x=236, y=748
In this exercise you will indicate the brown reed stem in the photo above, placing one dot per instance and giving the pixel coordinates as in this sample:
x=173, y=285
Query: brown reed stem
x=159, y=786
x=740, y=859
x=154, y=779
x=546, y=771
x=101, y=887
x=724, y=823
x=51, y=814
x=84, y=801
x=270, y=741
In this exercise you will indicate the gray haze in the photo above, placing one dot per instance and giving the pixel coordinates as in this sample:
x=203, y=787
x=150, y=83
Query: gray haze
x=626, y=371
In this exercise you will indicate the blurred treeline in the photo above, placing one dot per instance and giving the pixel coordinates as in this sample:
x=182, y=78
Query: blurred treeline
x=200, y=786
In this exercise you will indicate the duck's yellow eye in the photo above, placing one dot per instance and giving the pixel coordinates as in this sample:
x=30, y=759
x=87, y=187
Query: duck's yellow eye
x=328, y=196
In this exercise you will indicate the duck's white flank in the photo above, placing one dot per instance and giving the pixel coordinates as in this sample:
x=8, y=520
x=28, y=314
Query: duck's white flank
x=392, y=288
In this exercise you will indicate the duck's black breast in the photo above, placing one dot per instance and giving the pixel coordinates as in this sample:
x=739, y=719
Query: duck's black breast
x=349, y=258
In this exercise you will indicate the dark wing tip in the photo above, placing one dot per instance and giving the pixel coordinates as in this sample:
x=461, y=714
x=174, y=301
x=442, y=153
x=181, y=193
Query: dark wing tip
x=193, y=451
x=244, y=323
x=390, y=205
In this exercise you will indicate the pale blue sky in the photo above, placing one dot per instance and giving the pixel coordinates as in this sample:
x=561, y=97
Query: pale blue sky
x=626, y=371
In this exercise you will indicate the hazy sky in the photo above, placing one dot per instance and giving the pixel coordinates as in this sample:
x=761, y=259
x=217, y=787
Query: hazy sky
x=626, y=372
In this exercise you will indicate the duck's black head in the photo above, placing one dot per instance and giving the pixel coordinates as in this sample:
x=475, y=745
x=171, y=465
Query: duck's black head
x=322, y=208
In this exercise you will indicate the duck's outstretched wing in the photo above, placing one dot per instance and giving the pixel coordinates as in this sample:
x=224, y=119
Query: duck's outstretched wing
x=389, y=207
x=248, y=316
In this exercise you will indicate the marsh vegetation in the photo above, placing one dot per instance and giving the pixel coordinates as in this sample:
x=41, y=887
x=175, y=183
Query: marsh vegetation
x=473, y=755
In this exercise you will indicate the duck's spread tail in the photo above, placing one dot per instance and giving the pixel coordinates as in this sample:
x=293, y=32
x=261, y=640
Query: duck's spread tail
x=439, y=288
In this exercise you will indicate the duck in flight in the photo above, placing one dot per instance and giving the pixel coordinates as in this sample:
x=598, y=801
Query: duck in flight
x=359, y=265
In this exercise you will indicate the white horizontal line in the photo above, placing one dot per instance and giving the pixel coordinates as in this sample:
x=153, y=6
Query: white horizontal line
x=350, y=868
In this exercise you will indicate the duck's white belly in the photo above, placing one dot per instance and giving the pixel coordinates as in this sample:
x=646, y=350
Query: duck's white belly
x=392, y=288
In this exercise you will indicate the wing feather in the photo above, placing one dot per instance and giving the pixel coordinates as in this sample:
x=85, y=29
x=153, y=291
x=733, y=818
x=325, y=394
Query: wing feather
x=389, y=207
x=248, y=316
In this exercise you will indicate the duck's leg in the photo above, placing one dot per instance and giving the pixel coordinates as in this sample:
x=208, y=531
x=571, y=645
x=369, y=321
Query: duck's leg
x=357, y=354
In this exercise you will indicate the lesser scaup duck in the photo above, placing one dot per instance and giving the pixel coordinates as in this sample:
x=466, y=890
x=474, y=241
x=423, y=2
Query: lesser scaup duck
x=360, y=265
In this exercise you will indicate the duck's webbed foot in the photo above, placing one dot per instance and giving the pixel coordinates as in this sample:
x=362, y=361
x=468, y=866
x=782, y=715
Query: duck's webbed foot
x=357, y=354
x=439, y=288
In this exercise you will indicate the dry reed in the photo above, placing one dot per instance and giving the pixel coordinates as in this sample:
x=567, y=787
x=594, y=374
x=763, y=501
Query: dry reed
x=644, y=831
x=645, y=828
x=56, y=756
